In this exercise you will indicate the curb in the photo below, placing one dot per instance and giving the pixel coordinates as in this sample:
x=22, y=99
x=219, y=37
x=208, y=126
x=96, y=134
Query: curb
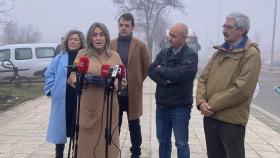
x=274, y=71
x=268, y=114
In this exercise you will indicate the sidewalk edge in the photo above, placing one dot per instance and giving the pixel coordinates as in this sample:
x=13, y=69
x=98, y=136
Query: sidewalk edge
x=268, y=114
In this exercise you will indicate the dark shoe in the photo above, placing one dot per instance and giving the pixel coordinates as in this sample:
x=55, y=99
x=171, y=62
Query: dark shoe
x=135, y=153
x=133, y=156
x=135, y=137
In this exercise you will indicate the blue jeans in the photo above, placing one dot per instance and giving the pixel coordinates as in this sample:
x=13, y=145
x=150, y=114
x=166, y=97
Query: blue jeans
x=176, y=118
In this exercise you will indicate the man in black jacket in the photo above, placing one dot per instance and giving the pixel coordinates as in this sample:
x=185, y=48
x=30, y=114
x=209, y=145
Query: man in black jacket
x=174, y=70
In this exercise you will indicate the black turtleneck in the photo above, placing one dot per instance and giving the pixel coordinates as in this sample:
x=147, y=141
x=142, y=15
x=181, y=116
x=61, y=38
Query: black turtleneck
x=71, y=57
x=123, y=47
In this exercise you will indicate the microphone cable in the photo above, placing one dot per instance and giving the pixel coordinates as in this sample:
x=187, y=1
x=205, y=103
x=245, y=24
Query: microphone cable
x=115, y=130
x=104, y=102
x=113, y=139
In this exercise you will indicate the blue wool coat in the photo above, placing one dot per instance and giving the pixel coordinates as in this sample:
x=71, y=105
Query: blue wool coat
x=55, y=87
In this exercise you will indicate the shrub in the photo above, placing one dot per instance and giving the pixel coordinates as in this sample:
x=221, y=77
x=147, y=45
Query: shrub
x=6, y=94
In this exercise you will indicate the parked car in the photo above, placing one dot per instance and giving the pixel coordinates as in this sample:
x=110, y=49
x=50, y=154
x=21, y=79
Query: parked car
x=30, y=59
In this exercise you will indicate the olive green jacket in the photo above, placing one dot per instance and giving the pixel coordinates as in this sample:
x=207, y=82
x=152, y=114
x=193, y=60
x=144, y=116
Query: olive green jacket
x=228, y=82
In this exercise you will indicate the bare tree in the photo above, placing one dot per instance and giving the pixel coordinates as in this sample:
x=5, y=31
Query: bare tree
x=148, y=13
x=10, y=32
x=5, y=7
x=14, y=34
x=29, y=34
x=160, y=32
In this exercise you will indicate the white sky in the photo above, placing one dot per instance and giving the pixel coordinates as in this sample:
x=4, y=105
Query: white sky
x=55, y=17
x=203, y=16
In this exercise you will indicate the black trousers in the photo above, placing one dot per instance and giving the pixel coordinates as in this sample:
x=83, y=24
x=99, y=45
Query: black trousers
x=59, y=148
x=134, y=128
x=224, y=140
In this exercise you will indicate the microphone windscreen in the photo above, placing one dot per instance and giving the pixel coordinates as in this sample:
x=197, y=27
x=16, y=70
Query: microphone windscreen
x=122, y=71
x=105, y=70
x=83, y=64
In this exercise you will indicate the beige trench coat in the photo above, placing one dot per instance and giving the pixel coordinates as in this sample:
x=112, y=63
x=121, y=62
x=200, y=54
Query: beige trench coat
x=91, y=142
x=137, y=71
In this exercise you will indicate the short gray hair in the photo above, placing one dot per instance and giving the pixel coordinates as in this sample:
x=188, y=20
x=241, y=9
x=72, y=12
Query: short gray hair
x=90, y=33
x=242, y=20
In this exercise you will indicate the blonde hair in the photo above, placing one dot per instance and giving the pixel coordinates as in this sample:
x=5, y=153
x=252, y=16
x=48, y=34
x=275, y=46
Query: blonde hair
x=90, y=48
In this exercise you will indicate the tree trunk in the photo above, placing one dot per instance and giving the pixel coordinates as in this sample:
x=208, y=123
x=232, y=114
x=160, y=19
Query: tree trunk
x=150, y=47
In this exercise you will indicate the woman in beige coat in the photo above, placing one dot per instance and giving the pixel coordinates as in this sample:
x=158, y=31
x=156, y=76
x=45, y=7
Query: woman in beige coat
x=91, y=142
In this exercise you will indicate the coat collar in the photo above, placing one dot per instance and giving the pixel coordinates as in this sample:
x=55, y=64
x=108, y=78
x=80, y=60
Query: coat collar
x=63, y=61
x=180, y=51
x=241, y=43
x=243, y=46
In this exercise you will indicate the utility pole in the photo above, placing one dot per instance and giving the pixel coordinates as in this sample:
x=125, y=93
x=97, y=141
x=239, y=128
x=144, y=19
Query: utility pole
x=219, y=22
x=273, y=35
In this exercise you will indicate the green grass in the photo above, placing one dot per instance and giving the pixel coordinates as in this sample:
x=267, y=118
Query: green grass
x=19, y=95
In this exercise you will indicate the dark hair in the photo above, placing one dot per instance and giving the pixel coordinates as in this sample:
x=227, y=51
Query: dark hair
x=127, y=17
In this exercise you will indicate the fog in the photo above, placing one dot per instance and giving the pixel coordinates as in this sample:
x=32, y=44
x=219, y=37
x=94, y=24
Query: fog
x=207, y=19
x=55, y=17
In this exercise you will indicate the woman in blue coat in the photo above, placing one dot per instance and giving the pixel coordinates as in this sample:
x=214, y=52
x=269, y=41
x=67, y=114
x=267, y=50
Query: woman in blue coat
x=63, y=104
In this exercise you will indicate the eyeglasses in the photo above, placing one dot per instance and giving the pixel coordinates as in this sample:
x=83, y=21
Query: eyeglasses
x=228, y=27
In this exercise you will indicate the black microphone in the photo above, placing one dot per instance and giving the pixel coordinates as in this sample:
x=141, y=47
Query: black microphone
x=119, y=87
x=72, y=68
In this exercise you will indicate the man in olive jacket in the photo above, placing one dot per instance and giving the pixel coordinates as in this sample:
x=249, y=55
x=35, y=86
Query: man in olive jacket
x=225, y=89
x=134, y=55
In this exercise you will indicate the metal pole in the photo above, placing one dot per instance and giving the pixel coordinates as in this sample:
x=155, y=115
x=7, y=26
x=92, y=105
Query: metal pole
x=219, y=21
x=273, y=35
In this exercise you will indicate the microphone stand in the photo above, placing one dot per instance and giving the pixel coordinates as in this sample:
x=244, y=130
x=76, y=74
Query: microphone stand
x=74, y=137
x=109, y=90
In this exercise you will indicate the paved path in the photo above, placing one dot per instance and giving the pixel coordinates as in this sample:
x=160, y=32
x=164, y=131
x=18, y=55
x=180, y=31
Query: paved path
x=23, y=129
